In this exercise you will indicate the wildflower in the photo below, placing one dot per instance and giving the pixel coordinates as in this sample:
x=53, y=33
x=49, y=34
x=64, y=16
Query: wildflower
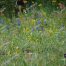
x=50, y=31
x=32, y=29
x=7, y=27
x=32, y=1
x=9, y=53
x=23, y=29
x=27, y=30
x=33, y=22
x=39, y=22
x=54, y=1
x=17, y=47
x=17, y=50
x=1, y=21
x=37, y=28
x=18, y=22
x=45, y=22
x=0, y=46
x=40, y=5
x=42, y=28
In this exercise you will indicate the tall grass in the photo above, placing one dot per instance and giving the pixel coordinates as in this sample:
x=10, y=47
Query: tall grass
x=36, y=39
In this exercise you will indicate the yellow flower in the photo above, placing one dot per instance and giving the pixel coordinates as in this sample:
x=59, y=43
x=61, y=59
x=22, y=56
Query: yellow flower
x=1, y=46
x=44, y=13
x=50, y=31
x=40, y=31
x=17, y=50
x=27, y=29
x=25, y=1
x=8, y=21
x=32, y=1
x=54, y=1
x=9, y=53
x=33, y=22
x=21, y=17
x=40, y=5
x=23, y=29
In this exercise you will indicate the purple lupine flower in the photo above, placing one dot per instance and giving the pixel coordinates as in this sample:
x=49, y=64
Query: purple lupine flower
x=42, y=28
x=18, y=22
x=7, y=27
x=1, y=21
x=39, y=22
x=45, y=21
x=37, y=28
x=32, y=29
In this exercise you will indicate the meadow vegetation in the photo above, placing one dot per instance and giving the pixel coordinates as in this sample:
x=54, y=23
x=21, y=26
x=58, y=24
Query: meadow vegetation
x=36, y=38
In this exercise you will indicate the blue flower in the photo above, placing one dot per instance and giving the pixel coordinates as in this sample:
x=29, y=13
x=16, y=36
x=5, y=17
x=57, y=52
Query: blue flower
x=42, y=28
x=1, y=21
x=45, y=22
x=32, y=29
x=39, y=22
x=7, y=27
x=37, y=28
x=18, y=22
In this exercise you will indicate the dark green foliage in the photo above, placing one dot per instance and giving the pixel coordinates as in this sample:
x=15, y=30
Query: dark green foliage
x=9, y=6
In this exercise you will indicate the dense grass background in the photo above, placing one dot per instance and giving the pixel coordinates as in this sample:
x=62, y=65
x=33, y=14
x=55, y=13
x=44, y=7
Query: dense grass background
x=34, y=39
